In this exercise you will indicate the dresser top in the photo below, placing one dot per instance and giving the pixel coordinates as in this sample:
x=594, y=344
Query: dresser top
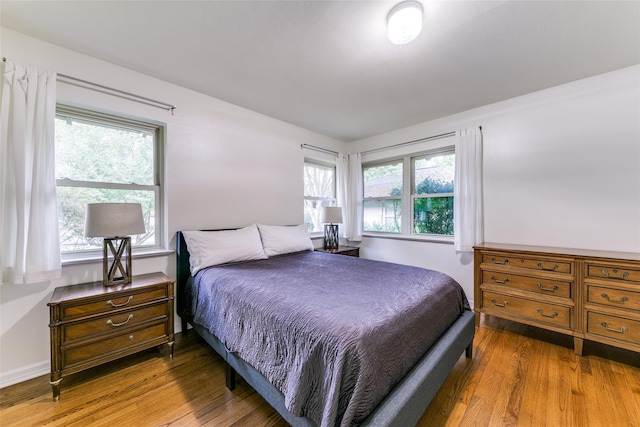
x=85, y=290
x=586, y=253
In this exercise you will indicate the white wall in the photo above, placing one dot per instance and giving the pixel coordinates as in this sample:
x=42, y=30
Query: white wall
x=225, y=167
x=561, y=168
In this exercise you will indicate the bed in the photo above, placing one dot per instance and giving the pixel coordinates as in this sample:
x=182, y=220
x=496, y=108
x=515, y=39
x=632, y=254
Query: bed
x=369, y=374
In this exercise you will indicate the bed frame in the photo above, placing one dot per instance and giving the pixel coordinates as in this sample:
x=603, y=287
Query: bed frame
x=404, y=405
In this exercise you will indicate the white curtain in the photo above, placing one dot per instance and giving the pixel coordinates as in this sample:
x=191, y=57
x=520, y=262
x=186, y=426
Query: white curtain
x=467, y=194
x=349, y=189
x=30, y=250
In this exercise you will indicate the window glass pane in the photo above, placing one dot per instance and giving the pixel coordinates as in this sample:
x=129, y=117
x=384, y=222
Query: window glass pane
x=319, y=181
x=383, y=180
x=383, y=215
x=72, y=202
x=87, y=151
x=312, y=213
x=433, y=215
x=434, y=174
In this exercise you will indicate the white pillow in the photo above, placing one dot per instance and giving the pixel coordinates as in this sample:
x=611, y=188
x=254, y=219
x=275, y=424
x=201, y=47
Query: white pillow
x=281, y=239
x=207, y=248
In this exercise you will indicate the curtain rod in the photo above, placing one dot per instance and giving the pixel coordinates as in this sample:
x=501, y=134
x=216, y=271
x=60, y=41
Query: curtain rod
x=320, y=149
x=415, y=141
x=138, y=98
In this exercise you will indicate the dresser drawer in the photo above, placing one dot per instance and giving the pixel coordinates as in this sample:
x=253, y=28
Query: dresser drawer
x=613, y=327
x=526, y=283
x=112, y=322
x=113, y=302
x=118, y=343
x=530, y=263
x=553, y=314
x=614, y=272
x=619, y=298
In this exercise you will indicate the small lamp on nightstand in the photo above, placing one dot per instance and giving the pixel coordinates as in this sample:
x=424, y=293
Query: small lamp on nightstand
x=331, y=217
x=115, y=222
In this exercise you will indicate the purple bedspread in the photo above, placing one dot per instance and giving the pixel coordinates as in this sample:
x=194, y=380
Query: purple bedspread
x=333, y=333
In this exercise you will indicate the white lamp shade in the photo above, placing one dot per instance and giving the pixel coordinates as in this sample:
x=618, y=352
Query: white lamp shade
x=331, y=215
x=113, y=220
x=404, y=22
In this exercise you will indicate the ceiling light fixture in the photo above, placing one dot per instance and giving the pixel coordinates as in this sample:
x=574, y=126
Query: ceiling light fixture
x=404, y=22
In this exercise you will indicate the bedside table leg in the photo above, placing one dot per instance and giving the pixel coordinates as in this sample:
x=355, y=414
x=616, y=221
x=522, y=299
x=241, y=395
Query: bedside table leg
x=170, y=344
x=577, y=345
x=55, y=386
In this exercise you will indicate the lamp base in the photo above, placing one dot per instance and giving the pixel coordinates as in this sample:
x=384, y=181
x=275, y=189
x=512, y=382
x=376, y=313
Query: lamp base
x=121, y=263
x=330, y=241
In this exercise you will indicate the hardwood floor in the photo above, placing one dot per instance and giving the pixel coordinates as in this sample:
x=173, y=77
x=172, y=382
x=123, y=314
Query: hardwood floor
x=519, y=376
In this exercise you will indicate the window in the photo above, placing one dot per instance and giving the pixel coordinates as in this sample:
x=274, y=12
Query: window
x=425, y=210
x=102, y=158
x=432, y=196
x=383, y=185
x=319, y=191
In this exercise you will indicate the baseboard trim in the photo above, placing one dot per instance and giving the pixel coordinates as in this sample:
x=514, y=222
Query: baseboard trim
x=25, y=373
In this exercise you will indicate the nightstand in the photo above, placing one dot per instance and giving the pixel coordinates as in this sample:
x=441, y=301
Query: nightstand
x=343, y=250
x=91, y=324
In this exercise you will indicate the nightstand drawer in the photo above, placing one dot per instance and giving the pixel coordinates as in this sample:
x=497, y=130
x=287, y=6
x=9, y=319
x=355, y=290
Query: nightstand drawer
x=528, y=283
x=543, y=312
x=614, y=327
x=113, y=302
x=112, y=322
x=529, y=263
x=115, y=344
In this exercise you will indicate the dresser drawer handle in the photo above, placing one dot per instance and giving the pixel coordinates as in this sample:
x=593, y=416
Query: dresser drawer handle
x=553, y=313
x=502, y=282
x=115, y=325
x=542, y=267
x=551, y=289
x=622, y=330
x=504, y=304
x=112, y=304
x=495, y=261
x=617, y=301
x=622, y=274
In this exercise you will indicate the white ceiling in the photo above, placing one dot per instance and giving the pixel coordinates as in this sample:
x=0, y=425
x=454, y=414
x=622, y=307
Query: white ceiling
x=328, y=66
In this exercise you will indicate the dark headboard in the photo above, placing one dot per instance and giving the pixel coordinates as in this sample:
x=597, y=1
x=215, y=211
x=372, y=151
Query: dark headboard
x=183, y=271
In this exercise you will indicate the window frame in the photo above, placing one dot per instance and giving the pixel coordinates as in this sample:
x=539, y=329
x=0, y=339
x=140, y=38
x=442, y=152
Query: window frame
x=407, y=217
x=333, y=201
x=119, y=121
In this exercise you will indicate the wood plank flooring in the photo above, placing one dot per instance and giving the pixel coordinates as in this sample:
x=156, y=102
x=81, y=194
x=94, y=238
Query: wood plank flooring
x=519, y=376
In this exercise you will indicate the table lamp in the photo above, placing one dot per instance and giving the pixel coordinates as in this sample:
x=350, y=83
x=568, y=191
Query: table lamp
x=331, y=216
x=115, y=222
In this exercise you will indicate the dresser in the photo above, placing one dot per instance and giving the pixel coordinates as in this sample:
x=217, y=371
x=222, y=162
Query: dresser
x=587, y=294
x=91, y=324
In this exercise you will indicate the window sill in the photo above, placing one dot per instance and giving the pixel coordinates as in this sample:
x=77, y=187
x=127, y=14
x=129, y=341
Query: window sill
x=447, y=240
x=87, y=258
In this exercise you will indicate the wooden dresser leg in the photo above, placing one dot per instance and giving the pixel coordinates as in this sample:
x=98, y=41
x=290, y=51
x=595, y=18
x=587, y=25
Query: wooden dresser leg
x=55, y=386
x=577, y=345
x=170, y=344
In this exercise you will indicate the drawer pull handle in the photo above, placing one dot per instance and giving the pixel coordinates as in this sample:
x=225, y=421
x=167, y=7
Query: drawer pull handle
x=622, y=330
x=502, y=282
x=623, y=275
x=553, y=313
x=115, y=325
x=542, y=267
x=504, y=304
x=551, y=289
x=617, y=301
x=114, y=305
x=495, y=261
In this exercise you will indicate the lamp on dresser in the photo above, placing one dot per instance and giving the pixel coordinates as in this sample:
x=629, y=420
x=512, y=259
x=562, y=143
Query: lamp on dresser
x=331, y=216
x=115, y=222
